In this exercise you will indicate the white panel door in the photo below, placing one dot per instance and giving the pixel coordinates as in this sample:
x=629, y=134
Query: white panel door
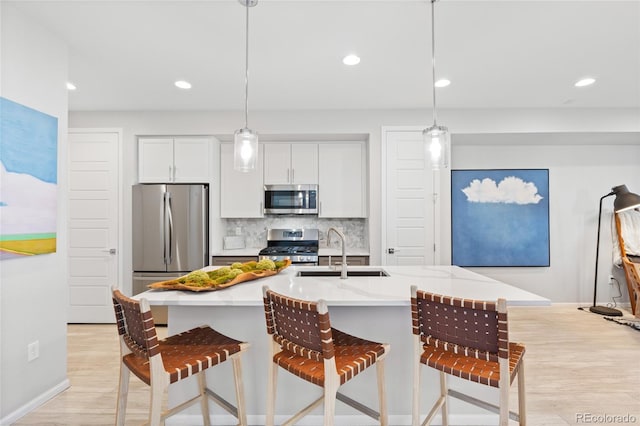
x=409, y=203
x=93, y=225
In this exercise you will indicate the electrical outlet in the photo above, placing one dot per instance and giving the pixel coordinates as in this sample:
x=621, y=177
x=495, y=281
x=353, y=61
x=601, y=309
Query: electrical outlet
x=33, y=350
x=238, y=230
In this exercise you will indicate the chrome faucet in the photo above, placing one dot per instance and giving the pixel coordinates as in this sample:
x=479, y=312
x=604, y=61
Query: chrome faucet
x=343, y=271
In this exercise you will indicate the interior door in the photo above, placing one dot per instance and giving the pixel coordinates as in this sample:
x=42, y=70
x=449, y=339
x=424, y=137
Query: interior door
x=408, y=237
x=93, y=203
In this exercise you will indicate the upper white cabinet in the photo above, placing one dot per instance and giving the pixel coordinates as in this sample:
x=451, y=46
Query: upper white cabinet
x=168, y=159
x=342, y=186
x=241, y=194
x=290, y=163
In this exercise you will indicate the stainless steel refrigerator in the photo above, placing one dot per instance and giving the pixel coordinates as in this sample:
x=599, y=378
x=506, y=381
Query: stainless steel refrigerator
x=170, y=231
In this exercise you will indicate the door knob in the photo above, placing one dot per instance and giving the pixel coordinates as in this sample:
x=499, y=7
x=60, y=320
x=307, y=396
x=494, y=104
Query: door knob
x=391, y=250
x=110, y=251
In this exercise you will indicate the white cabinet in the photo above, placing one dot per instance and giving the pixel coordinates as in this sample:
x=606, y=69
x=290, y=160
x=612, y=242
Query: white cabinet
x=290, y=163
x=168, y=159
x=342, y=176
x=241, y=194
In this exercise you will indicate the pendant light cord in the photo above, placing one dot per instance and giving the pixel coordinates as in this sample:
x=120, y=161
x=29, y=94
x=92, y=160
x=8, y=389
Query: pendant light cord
x=433, y=58
x=246, y=72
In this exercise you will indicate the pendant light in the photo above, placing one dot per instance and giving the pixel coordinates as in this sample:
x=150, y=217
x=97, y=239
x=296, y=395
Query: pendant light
x=245, y=140
x=436, y=138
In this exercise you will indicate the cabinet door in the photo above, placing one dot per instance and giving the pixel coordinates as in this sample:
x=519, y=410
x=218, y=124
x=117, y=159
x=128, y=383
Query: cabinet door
x=155, y=160
x=277, y=163
x=241, y=194
x=342, y=179
x=191, y=160
x=304, y=163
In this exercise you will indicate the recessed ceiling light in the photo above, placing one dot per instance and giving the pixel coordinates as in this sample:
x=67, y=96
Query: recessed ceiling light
x=183, y=84
x=71, y=86
x=443, y=82
x=351, y=60
x=585, y=82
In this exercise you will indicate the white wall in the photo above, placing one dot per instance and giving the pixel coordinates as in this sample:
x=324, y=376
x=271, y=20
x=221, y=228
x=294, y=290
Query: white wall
x=579, y=174
x=33, y=291
x=570, y=157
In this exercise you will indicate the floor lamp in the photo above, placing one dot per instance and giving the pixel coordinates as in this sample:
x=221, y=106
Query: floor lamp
x=624, y=200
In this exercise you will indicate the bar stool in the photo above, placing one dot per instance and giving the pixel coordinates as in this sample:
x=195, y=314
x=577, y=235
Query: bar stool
x=303, y=342
x=468, y=339
x=159, y=363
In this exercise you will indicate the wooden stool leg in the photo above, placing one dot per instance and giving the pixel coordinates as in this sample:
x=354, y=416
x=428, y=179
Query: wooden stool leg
x=204, y=399
x=237, y=376
x=123, y=393
x=155, y=405
x=271, y=392
x=415, y=394
x=329, y=404
x=444, y=390
x=522, y=406
x=504, y=406
x=382, y=396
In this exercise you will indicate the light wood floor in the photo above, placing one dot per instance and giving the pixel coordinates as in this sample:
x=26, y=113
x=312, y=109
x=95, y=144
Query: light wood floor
x=577, y=363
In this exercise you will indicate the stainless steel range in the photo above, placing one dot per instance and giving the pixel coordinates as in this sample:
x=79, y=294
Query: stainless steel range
x=299, y=245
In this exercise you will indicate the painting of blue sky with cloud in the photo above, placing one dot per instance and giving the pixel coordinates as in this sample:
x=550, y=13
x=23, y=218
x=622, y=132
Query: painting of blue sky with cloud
x=28, y=181
x=500, y=217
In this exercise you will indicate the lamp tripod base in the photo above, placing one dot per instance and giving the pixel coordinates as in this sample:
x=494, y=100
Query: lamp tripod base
x=603, y=310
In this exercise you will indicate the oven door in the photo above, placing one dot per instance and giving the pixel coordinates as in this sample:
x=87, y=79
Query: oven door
x=295, y=260
x=291, y=199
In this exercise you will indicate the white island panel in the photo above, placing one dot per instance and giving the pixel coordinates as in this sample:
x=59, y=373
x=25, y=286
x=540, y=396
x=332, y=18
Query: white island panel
x=376, y=308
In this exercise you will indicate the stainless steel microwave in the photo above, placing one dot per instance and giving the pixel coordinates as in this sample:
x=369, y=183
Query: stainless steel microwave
x=291, y=199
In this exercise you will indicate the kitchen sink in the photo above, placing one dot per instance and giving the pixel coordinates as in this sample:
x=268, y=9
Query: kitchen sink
x=360, y=273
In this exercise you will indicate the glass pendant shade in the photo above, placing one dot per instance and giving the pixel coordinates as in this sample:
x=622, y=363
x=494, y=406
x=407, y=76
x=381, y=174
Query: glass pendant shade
x=245, y=140
x=436, y=140
x=245, y=150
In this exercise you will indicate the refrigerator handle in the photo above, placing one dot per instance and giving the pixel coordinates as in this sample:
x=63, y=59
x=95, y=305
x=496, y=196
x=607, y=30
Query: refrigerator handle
x=168, y=228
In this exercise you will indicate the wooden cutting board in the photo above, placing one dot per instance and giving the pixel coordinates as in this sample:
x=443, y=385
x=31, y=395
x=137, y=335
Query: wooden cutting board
x=245, y=276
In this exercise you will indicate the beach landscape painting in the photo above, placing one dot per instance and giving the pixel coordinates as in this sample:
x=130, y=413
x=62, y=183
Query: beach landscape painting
x=500, y=217
x=28, y=181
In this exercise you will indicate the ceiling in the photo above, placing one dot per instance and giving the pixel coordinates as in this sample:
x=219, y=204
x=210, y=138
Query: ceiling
x=125, y=55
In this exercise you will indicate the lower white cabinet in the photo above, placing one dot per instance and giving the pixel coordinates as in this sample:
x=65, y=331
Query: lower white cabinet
x=241, y=194
x=342, y=179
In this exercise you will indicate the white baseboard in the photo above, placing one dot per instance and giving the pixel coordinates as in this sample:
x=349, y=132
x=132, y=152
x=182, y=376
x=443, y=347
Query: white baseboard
x=35, y=403
x=344, y=420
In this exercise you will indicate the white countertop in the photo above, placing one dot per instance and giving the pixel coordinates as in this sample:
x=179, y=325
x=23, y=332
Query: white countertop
x=323, y=251
x=393, y=290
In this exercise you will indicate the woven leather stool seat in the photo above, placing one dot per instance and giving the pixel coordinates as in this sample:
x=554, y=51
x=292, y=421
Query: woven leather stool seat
x=353, y=355
x=468, y=339
x=471, y=368
x=304, y=343
x=186, y=353
x=161, y=363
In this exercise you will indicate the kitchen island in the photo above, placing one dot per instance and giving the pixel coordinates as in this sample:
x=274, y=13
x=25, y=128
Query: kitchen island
x=373, y=307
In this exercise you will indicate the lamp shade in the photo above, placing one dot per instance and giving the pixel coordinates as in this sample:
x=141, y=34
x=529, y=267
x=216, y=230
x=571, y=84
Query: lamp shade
x=436, y=140
x=625, y=200
x=245, y=150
